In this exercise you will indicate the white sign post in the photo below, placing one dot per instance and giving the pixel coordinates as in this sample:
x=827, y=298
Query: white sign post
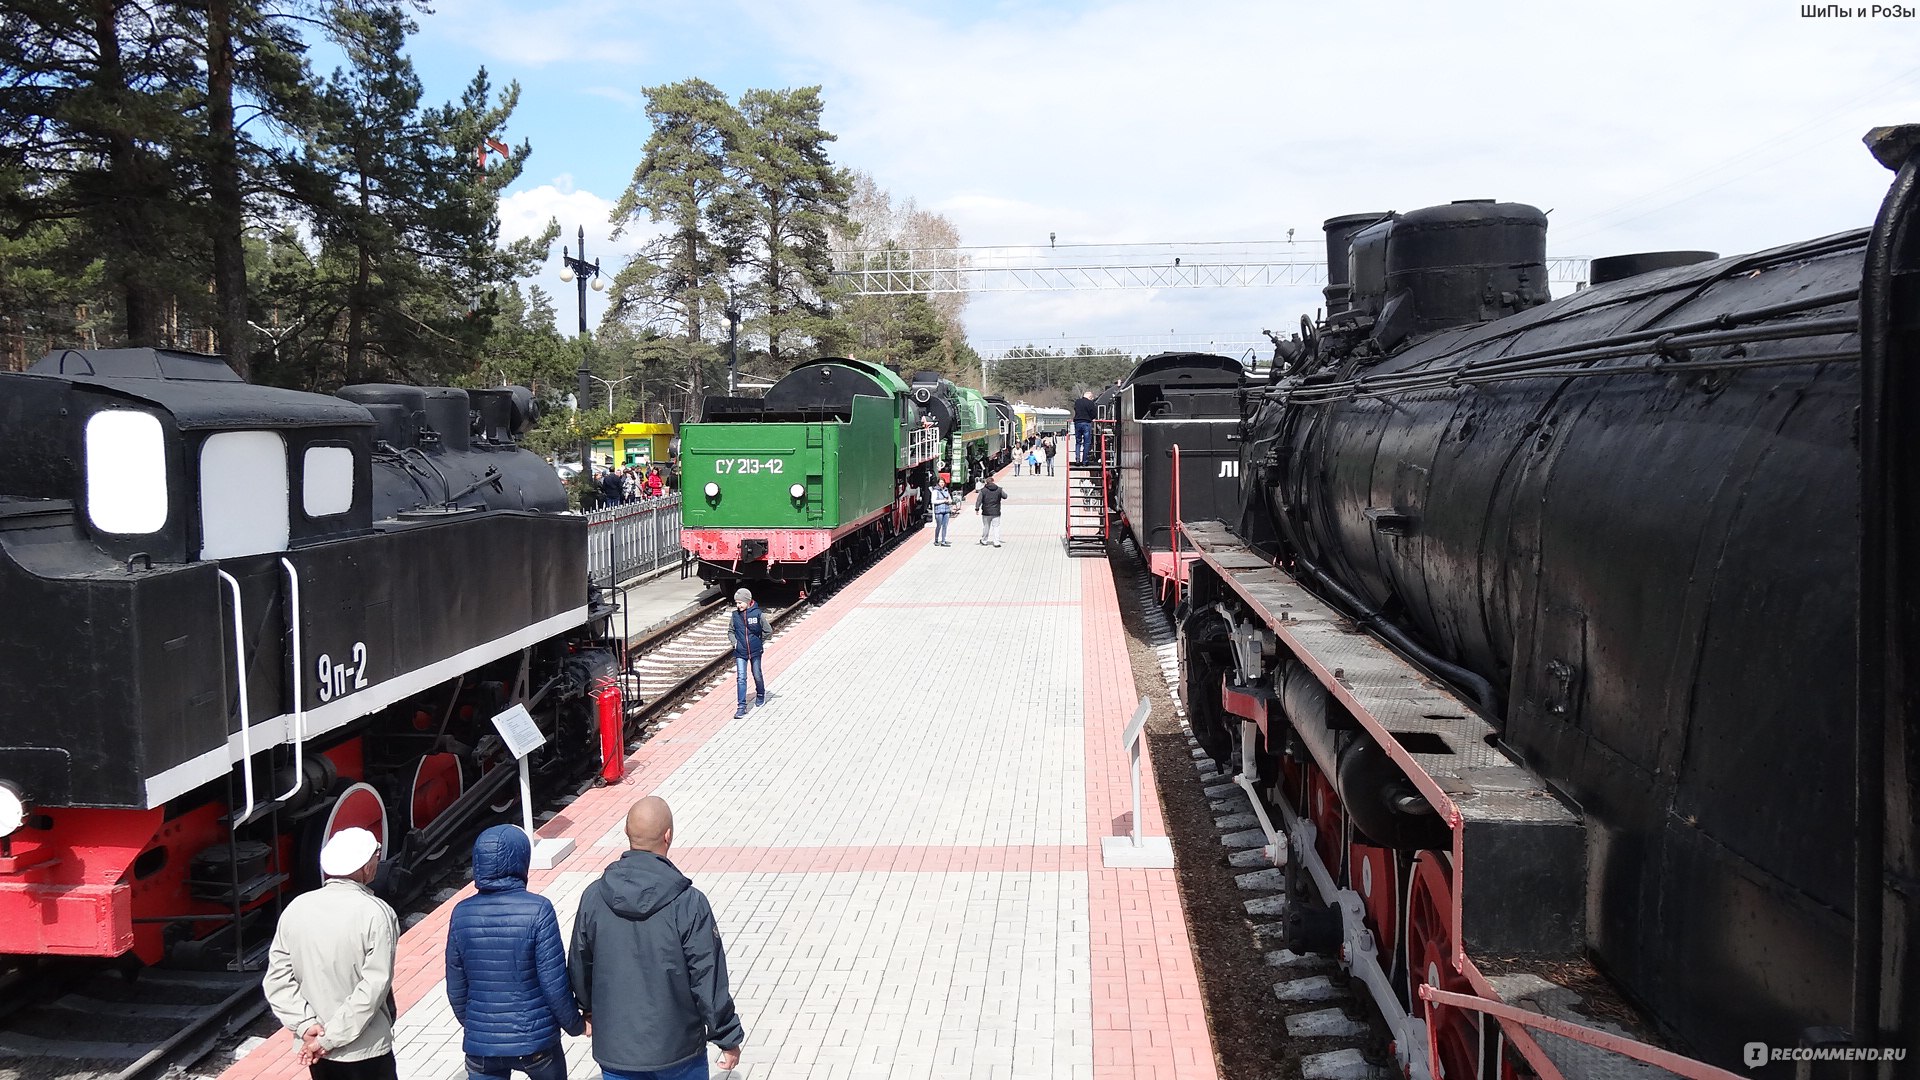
x=1134, y=851
x=523, y=737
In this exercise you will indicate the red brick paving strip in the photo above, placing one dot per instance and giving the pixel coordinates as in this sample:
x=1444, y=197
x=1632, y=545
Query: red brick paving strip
x=1148, y=1017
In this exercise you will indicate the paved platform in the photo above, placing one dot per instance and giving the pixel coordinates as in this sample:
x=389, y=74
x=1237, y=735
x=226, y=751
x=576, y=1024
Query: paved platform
x=903, y=846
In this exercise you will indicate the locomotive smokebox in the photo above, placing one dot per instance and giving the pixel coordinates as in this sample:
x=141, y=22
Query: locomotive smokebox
x=1340, y=231
x=1462, y=263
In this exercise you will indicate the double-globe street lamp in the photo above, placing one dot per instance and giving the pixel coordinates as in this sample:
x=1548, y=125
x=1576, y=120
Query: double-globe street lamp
x=572, y=269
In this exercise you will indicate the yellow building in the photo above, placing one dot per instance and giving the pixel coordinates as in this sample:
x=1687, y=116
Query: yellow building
x=635, y=444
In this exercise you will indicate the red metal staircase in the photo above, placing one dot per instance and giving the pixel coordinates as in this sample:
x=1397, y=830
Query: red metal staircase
x=1090, y=496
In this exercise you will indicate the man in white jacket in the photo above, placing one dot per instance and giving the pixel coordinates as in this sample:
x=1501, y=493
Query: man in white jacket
x=330, y=970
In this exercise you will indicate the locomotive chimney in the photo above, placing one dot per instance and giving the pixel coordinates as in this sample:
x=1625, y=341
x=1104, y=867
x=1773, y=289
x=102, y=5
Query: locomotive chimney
x=1340, y=232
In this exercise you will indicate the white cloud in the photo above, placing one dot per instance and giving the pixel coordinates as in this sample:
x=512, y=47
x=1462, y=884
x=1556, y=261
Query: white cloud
x=614, y=94
x=1142, y=120
x=536, y=35
x=1642, y=124
x=526, y=213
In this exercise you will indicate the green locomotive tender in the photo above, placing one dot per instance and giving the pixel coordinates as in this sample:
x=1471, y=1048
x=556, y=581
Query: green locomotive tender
x=798, y=485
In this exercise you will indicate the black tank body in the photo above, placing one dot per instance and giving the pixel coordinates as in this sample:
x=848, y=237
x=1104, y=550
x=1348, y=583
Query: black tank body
x=1653, y=565
x=143, y=492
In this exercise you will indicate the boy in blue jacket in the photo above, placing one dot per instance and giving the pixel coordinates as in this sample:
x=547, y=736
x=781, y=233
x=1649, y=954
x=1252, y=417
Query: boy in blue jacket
x=748, y=631
x=507, y=967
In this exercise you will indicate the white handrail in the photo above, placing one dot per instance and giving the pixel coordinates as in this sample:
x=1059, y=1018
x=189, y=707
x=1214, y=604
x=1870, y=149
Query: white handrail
x=240, y=681
x=299, y=698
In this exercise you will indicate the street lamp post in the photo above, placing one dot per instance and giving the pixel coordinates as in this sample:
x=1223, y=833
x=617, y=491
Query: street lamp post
x=572, y=269
x=609, y=384
x=733, y=351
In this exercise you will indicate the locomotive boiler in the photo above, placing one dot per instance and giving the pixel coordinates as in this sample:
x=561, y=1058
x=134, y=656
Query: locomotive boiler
x=1536, y=625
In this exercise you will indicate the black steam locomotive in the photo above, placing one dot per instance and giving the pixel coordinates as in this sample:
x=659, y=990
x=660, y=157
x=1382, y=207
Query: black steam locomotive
x=240, y=618
x=1536, y=628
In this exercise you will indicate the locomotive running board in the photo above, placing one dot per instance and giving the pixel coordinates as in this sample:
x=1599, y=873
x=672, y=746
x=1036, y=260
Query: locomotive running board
x=1517, y=838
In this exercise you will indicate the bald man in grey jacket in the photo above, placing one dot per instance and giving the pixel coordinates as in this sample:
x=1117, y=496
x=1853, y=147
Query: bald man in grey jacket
x=647, y=964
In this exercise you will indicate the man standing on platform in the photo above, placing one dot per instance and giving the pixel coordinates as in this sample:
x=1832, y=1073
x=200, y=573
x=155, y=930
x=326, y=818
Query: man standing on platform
x=1084, y=412
x=330, y=969
x=1047, y=445
x=648, y=965
x=991, y=495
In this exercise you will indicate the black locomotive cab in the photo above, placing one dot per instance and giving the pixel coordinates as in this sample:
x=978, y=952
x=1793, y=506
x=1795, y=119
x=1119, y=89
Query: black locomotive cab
x=1188, y=400
x=170, y=458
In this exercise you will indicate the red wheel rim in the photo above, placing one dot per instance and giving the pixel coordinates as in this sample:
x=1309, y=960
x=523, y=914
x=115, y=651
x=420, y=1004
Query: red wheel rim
x=436, y=784
x=358, y=807
x=1323, y=806
x=1290, y=781
x=1453, y=1033
x=1370, y=871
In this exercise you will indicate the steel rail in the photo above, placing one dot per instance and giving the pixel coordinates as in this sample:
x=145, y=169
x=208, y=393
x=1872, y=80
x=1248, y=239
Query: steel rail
x=679, y=625
x=194, y=1041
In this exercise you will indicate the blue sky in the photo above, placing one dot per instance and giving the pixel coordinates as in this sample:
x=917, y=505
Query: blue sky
x=1641, y=125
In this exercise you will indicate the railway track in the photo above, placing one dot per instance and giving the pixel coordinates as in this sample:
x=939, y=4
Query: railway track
x=125, y=1023
x=1330, y=1031
x=681, y=659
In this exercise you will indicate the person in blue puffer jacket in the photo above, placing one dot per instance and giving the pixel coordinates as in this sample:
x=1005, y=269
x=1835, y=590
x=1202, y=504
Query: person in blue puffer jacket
x=507, y=967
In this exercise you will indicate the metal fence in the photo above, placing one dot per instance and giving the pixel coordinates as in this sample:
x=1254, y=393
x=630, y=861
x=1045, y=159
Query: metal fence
x=633, y=538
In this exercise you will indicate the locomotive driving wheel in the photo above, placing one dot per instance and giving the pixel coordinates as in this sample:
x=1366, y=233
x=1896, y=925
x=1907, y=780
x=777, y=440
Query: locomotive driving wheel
x=1373, y=872
x=1453, y=1034
x=359, y=806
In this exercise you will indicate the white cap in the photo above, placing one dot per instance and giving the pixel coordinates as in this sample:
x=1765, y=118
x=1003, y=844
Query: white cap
x=347, y=851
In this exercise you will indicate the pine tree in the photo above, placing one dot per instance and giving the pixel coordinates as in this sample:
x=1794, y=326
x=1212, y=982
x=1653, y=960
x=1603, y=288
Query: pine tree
x=95, y=111
x=678, y=285
x=786, y=199
x=254, y=60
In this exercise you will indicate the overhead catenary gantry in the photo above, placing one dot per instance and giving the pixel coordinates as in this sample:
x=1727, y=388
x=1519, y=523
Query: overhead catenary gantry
x=1075, y=267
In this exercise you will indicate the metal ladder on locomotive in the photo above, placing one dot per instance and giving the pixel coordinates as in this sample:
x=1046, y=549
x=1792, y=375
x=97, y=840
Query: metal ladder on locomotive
x=1090, y=494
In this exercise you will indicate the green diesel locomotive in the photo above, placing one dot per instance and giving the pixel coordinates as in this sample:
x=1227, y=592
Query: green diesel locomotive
x=799, y=485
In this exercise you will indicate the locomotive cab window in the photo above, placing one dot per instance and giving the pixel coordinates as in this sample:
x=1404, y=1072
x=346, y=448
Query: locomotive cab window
x=126, y=472
x=326, y=481
x=243, y=494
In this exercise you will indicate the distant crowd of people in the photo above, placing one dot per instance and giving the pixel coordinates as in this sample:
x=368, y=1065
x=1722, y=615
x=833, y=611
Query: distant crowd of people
x=1033, y=452
x=631, y=484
